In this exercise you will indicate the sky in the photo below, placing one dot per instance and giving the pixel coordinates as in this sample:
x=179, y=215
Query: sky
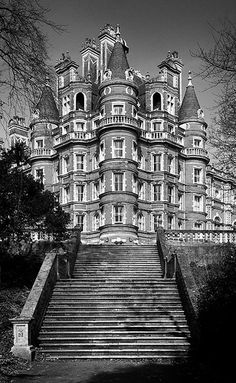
x=151, y=29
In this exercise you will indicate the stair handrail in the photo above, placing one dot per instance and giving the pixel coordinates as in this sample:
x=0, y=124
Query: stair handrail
x=57, y=264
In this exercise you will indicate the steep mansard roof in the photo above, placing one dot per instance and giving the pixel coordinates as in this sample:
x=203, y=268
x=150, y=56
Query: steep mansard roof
x=190, y=106
x=47, y=106
x=118, y=61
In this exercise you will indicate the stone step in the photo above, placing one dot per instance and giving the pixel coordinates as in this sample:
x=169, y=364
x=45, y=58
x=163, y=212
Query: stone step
x=117, y=353
x=46, y=338
x=114, y=333
x=118, y=326
x=106, y=346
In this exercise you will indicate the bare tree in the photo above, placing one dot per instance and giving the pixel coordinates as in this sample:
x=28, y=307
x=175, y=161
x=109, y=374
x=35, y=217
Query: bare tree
x=23, y=50
x=219, y=69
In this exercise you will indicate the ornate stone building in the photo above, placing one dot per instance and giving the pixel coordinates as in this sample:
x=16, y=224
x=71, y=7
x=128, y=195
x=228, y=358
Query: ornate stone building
x=124, y=152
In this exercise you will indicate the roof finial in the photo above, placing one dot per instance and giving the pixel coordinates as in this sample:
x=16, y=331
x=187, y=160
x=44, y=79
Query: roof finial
x=117, y=32
x=190, y=78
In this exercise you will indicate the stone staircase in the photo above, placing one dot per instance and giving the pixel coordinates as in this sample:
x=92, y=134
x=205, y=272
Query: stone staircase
x=116, y=306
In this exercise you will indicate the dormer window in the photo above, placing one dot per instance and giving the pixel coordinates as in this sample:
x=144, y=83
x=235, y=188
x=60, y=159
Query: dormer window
x=156, y=101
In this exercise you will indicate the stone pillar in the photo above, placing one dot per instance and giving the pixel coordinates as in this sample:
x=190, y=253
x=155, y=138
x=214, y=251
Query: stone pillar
x=22, y=338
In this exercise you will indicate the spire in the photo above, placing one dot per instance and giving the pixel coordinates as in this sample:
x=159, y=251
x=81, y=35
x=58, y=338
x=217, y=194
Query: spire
x=46, y=106
x=190, y=106
x=118, y=63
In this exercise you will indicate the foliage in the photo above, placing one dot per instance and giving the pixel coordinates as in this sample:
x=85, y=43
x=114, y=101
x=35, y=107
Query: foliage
x=23, y=50
x=25, y=204
x=219, y=69
x=217, y=316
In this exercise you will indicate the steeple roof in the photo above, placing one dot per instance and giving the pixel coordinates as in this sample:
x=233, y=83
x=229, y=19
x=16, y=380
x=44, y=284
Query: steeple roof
x=190, y=106
x=118, y=61
x=46, y=106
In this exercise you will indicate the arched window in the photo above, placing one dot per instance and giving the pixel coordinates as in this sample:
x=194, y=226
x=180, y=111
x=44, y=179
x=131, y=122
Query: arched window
x=79, y=101
x=217, y=223
x=156, y=101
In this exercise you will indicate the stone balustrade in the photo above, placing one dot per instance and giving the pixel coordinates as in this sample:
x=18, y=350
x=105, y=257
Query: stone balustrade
x=158, y=136
x=195, y=152
x=119, y=120
x=42, y=152
x=80, y=136
x=190, y=236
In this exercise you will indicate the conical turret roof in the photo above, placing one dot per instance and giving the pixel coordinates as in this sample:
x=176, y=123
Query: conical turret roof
x=46, y=106
x=118, y=61
x=190, y=106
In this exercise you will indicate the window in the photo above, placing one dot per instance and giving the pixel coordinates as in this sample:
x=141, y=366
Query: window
x=80, y=221
x=197, y=143
x=135, y=151
x=65, y=105
x=157, y=126
x=157, y=192
x=181, y=171
x=170, y=164
x=156, y=162
x=157, y=221
x=118, y=109
x=79, y=101
x=79, y=162
x=156, y=101
x=65, y=129
x=80, y=193
x=170, y=192
x=95, y=190
x=180, y=224
x=102, y=151
x=197, y=225
x=181, y=201
x=118, y=214
x=171, y=129
x=197, y=203
x=217, y=223
x=141, y=191
x=79, y=126
x=170, y=104
x=118, y=148
x=39, y=143
x=141, y=222
x=170, y=222
x=66, y=164
x=66, y=194
x=94, y=162
x=118, y=181
x=96, y=221
x=197, y=175
x=39, y=175
x=102, y=184
x=134, y=184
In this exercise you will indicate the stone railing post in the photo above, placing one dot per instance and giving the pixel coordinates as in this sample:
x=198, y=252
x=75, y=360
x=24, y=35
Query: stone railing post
x=23, y=347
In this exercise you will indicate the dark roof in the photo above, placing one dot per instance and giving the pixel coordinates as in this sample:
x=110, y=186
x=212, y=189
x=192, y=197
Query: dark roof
x=190, y=105
x=118, y=61
x=47, y=106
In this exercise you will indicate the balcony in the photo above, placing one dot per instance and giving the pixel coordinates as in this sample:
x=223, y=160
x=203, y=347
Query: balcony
x=119, y=120
x=42, y=152
x=75, y=136
x=156, y=136
x=195, y=152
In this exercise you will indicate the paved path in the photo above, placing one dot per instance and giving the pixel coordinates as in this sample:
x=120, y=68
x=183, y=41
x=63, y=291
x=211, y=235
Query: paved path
x=104, y=372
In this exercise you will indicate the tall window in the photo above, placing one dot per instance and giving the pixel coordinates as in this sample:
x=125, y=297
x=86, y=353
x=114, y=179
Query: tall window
x=39, y=175
x=118, y=181
x=170, y=104
x=39, y=143
x=197, y=175
x=80, y=221
x=118, y=214
x=141, y=190
x=170, y=191
x=118, y=148
x=66, y=196
x=65, y=105
x=80, y=193
x=79, y=101
x=96, y=219
x=170, y=164
x=181, y=201
x=135, y=151
x=66, y=164
x=157, y=192
x=156, y=162
x=156, y=126
x=79, y=126
x=197, y=203
x=118, y=109
x=156, y=101
x=170, y=222
x=80, y=162
x=157, y=221
x=102, y=151
x=141, y=222
x=95, y=190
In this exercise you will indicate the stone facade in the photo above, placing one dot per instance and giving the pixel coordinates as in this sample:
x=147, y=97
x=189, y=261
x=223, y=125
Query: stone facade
x=124, y=153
